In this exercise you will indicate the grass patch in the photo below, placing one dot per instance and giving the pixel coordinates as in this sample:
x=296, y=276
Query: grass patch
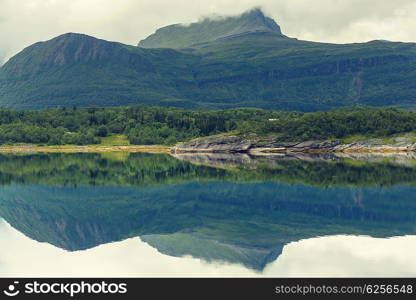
x=114, y=140
x=355, y=138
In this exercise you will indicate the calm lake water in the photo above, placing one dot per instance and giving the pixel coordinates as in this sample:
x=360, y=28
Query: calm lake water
x=150, y=215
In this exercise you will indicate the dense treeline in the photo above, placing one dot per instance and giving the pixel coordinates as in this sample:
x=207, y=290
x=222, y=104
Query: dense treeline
x=141, y=124
x=161, y=125
x=372, y=122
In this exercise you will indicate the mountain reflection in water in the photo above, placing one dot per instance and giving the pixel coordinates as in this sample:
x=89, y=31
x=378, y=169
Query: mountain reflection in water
x=208, y=215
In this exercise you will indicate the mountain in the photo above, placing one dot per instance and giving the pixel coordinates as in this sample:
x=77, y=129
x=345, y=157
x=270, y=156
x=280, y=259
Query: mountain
x=209, y=30
x=216, y=63
x=79, y=70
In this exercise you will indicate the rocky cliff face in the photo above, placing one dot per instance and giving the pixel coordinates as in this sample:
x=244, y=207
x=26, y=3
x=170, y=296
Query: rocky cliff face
x=237, y=144
x=224, y=144
x=250, y=144
x=376, y=146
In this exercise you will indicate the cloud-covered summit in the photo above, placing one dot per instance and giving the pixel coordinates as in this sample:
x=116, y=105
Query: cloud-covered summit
x=212, y=29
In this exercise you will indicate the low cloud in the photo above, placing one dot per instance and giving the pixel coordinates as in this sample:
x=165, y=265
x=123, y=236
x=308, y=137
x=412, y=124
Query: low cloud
x=25, y=22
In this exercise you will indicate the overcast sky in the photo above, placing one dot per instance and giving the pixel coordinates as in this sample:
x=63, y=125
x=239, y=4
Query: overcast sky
x=332, y=256
x=23, y=22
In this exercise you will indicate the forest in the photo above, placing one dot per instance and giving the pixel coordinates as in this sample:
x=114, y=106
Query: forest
x=151, y=125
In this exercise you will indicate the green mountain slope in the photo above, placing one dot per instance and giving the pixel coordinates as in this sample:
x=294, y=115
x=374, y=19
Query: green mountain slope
x=74, y=69
x=217, y=63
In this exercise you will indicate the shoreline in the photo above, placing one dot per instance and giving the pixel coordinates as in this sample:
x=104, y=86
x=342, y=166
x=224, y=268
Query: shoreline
x=81, y=149
x=380, y=150
x=255, y=146
x=230, y=145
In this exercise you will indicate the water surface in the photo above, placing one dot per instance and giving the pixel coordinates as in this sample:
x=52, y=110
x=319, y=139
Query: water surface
x=118, y=214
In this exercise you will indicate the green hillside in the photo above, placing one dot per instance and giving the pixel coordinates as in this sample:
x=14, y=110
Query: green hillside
x=231, y=62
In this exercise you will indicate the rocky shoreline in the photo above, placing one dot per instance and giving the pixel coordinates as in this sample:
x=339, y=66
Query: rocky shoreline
x=254, y=146
x=251, y=145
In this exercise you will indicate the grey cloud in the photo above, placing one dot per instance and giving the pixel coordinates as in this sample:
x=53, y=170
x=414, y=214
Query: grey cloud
x=344, y=21
x=2, y=57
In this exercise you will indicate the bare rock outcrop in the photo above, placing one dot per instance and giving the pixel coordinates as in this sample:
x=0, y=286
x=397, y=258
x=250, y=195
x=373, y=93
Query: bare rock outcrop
x=222, y=144
x=255, y=146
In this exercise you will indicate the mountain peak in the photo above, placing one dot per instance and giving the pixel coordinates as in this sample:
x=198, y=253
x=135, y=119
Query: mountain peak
x=64, y=49
x=211, y=29
x=258, y=20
